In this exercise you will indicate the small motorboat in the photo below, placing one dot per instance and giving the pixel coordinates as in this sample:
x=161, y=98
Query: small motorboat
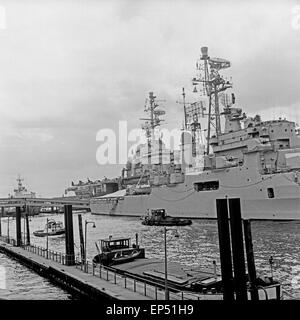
x=117, y=251
x=52, y=228
x=158, y=217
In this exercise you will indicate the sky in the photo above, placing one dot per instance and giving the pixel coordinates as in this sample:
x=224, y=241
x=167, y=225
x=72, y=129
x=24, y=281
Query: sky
x=71, y=68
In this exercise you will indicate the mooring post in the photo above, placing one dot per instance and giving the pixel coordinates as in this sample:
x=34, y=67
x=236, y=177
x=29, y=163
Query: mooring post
x=137, y=240
x=70, y=255
x=1, y=215
x=250, y=260
x=238, y=255
x=27, y=228
x=81, y=237
x=225, y=250
x=18, y=226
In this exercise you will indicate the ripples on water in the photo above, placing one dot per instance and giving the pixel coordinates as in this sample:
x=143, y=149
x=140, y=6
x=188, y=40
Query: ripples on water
x=23, y=284
x=197, y=245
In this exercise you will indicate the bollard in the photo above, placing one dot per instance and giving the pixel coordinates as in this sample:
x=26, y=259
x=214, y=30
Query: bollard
x=125, y=282
x=155, y=292
x=134, y=285
x=237, y=244
x=225, y=250
x=115, y=277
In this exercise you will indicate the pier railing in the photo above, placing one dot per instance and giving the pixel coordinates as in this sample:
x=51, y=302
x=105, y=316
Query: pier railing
x=47, y=254
x=43, y=252
x=135, y=283
x=8, y=240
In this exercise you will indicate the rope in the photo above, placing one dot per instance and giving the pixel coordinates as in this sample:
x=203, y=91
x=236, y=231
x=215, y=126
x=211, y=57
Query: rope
x=184, y=191
x=289, y=294
x=245, y=186
x=297, y=183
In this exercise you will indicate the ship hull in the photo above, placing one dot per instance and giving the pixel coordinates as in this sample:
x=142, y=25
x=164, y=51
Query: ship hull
x=183, y=201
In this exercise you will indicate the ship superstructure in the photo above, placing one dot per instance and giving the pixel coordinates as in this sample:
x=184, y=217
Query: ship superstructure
x=21, y=191
x=257, y=161
x=90, y=189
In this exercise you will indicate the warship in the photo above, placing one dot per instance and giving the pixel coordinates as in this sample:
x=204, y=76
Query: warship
x=21, y=192
x=236, y=156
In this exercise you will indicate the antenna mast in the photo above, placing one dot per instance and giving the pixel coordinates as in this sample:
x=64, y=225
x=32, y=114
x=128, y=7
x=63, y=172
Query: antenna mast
x=153, y=121
x=213, y=84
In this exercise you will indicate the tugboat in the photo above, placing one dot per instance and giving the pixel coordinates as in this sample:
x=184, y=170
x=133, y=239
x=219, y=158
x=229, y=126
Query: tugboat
x=113, y=251
x=52, y=228
x=158, y=217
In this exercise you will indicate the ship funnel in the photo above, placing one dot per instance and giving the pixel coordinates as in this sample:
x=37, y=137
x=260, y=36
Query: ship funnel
x=204, y=51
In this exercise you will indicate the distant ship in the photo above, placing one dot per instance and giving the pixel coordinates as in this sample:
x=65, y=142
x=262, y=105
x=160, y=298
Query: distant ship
x=21, y=192
x=244, y=157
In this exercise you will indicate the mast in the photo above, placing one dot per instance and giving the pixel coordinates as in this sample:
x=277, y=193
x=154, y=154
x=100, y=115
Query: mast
x=184, y=109
x=153, y=121
x=20, y=186
x=213, y=84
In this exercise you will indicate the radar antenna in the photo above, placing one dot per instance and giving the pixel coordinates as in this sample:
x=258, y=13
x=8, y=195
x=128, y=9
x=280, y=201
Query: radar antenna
x=213, y=84
x=151, y=107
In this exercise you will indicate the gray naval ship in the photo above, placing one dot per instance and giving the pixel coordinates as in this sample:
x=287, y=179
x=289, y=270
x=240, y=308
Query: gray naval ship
x=245, y=157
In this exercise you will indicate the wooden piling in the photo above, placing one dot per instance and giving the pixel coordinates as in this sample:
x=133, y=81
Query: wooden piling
x=137, y=240
x=70, y=255
x=250, y=260
x=18, y=227
x=238, y=256
x=225, y=250
x=1, y=215
x=81, y=237
x=27, y=229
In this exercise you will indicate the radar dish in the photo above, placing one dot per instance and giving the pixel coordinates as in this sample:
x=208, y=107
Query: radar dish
x=159, y=112
x=218, y=63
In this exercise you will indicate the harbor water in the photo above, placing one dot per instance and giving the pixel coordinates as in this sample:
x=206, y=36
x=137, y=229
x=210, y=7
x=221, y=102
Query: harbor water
x=192, y=246
x=20, y=283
